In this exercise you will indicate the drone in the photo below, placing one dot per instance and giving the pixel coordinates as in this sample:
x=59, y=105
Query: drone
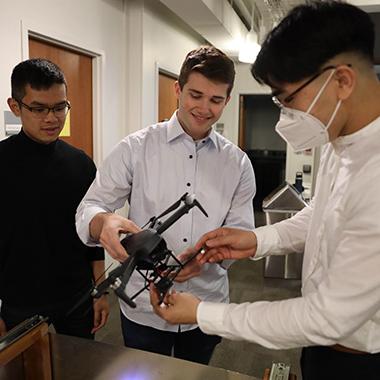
x=149, y=256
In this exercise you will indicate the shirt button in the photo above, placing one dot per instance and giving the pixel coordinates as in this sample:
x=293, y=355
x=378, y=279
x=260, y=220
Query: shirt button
x=185, y=240
x=188, y=184
x=191, y=156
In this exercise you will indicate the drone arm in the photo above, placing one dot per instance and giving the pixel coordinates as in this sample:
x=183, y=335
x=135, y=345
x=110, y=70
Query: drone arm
x=121, y=282
x=121, y=294
x=117, y=280
x=173, y=218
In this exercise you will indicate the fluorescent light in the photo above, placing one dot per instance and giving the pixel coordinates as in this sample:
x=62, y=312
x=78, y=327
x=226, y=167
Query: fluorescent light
x=249, y=49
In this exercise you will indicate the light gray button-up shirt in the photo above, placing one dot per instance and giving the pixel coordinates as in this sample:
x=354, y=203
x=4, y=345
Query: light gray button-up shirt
x=151, y=169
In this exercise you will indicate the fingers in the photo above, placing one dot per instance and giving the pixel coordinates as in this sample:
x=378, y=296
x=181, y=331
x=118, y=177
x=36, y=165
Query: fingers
x=108, y=227
x=220, y=237
x=101, y=312
x=184, y=256
x=97, y=319
x=210, y=235
x=179, y=307
x=215, y=255
x=155, y=298
x=113, y=247
x=220, y=240
x=191, y=269
x=129, y=226
x=100, y=322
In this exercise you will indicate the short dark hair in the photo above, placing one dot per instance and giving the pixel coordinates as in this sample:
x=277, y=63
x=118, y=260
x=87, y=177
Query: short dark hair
x=309, y=36
x=39, y=73
x=210, y=62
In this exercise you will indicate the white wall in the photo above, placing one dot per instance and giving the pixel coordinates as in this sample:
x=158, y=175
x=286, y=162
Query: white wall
x=160, y=40
x=367, y=5
x=244, y=84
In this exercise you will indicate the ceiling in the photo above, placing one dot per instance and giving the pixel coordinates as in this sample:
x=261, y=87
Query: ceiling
x=225, y=23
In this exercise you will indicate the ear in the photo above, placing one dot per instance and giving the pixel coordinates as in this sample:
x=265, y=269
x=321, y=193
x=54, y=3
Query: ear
x=346, y=78
x=14, y=107
x=177, y=89
x=227, y=100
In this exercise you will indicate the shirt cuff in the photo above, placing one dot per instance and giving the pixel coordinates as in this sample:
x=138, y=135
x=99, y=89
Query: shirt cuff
x=268, y=240
x=210, y=316
x=83, y=225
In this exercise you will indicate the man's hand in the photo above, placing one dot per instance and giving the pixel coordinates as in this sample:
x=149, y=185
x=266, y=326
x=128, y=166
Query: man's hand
x=3, y=329
x=191, y=269
x=106, y=228
x=177, y=308
x=101, y=312
x=226, y=243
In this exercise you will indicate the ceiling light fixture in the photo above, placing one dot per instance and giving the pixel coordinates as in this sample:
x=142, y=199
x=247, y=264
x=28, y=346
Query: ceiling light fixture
x=249, y=48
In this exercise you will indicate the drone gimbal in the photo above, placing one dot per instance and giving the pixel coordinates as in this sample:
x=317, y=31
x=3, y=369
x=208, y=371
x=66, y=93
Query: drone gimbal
x=149, y=255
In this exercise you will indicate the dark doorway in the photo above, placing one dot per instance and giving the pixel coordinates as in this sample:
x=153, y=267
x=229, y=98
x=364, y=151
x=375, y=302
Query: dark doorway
x=264, y=147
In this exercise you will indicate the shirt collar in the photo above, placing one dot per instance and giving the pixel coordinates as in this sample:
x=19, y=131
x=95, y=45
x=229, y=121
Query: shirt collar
x=362, y=134
x=175, y=130
x=35, y=146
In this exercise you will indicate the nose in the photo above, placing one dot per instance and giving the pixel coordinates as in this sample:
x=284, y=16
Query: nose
x=204, y=106
x=51, y=116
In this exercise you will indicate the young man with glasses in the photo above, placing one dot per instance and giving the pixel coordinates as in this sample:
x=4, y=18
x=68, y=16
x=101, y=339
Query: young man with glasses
x=154, y=167
x=329, y=95
x=44, y=267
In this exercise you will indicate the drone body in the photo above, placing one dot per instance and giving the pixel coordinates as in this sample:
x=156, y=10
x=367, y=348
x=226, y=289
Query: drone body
x=149, y=255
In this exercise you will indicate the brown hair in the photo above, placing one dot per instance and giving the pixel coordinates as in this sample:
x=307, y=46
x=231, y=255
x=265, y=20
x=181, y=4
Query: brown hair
x=210, y=62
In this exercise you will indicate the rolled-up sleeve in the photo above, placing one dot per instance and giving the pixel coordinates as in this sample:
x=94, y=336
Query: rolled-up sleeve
x=240, y=214
x=108, y=192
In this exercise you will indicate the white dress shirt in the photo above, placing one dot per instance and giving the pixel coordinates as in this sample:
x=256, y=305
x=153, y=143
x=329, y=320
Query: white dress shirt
x=340, y=236
x=153, y=168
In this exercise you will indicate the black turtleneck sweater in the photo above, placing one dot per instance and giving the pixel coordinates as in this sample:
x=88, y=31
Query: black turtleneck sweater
x=43, y=263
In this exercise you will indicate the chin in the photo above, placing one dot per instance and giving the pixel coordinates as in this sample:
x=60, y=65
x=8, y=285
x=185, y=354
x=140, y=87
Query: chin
x=49, y=139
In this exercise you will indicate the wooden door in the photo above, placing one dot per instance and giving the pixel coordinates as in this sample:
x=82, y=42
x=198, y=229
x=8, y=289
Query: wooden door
x=77, y=68
x=167, y=99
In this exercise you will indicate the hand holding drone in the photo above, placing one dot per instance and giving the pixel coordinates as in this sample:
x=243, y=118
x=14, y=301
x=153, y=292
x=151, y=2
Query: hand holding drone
x=149, y=255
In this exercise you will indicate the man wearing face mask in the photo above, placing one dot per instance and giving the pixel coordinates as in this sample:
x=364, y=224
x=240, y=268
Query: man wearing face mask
x=329, y=96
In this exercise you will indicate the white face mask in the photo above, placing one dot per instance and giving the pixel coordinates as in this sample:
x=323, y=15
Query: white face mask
x=302, y=130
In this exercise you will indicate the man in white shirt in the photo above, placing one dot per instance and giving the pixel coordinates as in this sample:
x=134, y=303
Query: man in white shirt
x=154, y=167
x=329, y=95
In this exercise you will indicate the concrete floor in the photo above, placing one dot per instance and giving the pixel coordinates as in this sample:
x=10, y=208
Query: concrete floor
x=247, y=283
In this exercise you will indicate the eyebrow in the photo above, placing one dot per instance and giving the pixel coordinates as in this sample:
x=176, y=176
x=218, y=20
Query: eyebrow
x=35, y=103
x=201, y=93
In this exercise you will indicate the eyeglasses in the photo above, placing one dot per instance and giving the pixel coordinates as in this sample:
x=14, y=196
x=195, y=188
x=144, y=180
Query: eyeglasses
x=59, y=110
x=290, y=97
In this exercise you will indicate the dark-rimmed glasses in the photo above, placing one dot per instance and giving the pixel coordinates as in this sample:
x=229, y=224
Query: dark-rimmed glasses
x=59, y=110
x=291, y=96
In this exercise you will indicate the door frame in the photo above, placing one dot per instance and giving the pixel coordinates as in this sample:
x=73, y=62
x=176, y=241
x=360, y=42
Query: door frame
x=159, y=69
x=98, y=67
